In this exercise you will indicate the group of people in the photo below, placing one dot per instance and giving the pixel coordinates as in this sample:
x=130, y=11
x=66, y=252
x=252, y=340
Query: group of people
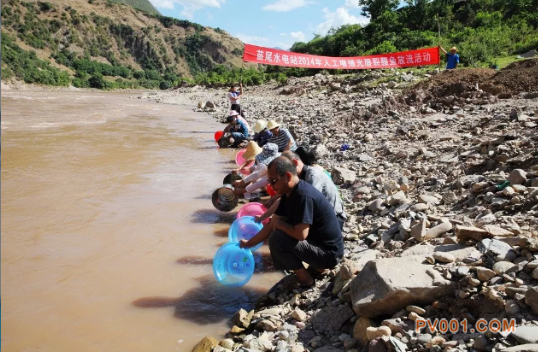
x=306, y=213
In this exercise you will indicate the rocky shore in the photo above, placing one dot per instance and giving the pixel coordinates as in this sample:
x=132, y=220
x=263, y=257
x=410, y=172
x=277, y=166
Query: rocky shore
x=441, y=183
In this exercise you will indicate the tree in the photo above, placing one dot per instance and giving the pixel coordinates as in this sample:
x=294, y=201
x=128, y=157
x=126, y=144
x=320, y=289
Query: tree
x=374, y=8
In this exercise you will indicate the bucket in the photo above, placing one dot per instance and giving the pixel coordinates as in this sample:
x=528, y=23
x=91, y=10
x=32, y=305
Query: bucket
x=218, y=135
x=230, y=178
x=233, y=266
x=253, y=209
x=224, y=198
x=239, y=160
x=270, y=191
x=246, y=169
x=244, y=228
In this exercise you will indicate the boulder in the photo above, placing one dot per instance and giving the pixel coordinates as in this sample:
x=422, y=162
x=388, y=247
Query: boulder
x=438, y=230
x=517, y=177
x=497, y=250
x=242, y=318
x=531, y=298
x=205, y=345
x=331, y=319
x=529, y=347
x=359, y=330
x=465, y=233
x=342, y=176
x=385, y=286
x=526, y=334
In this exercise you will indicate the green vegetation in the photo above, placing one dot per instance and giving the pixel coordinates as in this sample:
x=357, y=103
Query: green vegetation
x=481, y=29
x=27, y=66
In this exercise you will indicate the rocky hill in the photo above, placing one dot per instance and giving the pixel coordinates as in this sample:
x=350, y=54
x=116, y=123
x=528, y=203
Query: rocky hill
x=85, y=38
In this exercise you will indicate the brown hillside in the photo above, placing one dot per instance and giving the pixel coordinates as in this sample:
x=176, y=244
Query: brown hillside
x=105, y=31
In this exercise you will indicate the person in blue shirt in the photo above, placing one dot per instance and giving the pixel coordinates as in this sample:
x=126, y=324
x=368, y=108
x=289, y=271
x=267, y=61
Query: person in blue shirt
x=262, y=134
x=237, y=129
x=452, y=59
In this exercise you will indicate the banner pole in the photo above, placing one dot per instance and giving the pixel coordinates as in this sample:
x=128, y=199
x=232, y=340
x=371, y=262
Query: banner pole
x=438, y=40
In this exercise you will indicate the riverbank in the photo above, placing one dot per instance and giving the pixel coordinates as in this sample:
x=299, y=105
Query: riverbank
x=441, y=184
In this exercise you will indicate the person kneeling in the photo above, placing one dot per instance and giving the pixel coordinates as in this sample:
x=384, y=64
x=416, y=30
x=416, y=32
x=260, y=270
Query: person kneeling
x=304, y=227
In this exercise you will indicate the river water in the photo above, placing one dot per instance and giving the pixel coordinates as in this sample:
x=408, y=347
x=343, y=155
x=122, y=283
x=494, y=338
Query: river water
x=108, y=231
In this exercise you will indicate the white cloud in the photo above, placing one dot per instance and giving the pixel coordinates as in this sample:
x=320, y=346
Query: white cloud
x=189, y=6
x=338, y=18
x=298, y=36
x=350, y=4
x=252, y=39
x=285, y=5
x=163, y=4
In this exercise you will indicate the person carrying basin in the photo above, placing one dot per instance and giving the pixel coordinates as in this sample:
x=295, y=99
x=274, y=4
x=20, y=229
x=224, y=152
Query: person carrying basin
x=281, y=137
x=319, y=180
x=303, y=229
x=237, y=129
x=257, y=178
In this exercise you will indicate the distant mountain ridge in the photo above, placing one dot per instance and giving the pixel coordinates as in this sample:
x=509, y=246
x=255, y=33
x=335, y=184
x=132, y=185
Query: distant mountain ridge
x=126, y=41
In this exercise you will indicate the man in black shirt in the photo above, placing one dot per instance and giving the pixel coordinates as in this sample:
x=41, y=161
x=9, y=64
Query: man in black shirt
x=304, y=227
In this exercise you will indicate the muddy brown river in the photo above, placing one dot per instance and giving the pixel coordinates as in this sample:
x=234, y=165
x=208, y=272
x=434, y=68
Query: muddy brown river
x=108, y=231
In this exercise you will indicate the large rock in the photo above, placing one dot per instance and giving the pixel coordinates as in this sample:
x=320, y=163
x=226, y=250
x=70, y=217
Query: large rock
x=321, y=151
x=465, y=233
x=526, y=334
x=438, y=230
x=531, y=298
x=529, y=347
x=385, y=286
x=497, y=250
x=359, y=330
x=331, y=319
x=242, y=318
x=418, y=231
x=342, y=176
x=458, y=251
x=360, y=259
x=205, y=345
x=517, y=177
x=497, y=231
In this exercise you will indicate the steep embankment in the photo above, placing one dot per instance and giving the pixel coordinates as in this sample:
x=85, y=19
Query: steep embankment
x=97, y=38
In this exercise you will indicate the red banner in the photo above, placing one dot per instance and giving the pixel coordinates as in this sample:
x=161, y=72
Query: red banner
x=268, y=56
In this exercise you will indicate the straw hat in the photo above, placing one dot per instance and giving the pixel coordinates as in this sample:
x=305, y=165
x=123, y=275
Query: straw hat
x=272, y=124
x=253, y=149
x=259, y=126
x=453, y=49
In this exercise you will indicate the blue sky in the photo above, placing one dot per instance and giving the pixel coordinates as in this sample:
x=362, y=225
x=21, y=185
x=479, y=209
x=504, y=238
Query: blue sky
x=271, y=23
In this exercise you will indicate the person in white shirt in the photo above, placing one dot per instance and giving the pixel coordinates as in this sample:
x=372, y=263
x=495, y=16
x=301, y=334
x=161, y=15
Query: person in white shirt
x=235, y=97
x=257, y=178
